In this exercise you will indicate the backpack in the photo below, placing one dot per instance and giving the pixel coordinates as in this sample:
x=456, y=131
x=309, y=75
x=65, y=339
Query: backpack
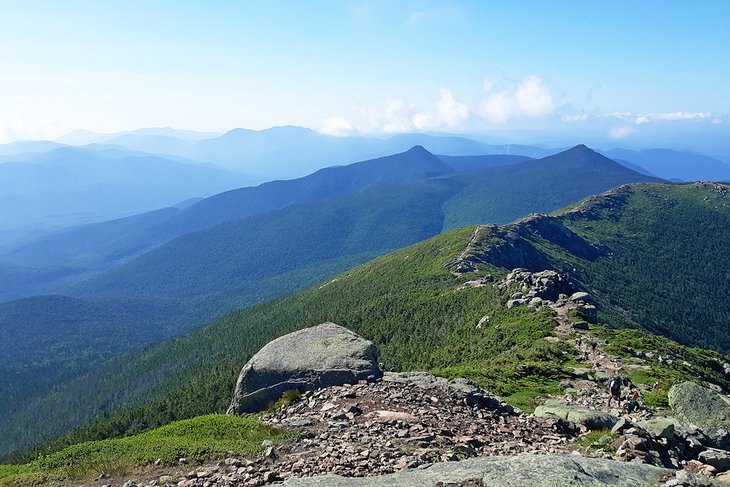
x=614, y=383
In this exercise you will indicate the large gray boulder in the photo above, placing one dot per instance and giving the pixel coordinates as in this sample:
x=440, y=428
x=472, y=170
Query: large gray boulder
x=590, y=418
x=518, y=471
x=704, y=408
x=321, y=356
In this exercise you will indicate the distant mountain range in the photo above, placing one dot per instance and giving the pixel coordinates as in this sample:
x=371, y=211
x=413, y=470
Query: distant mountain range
x=497, y=193
x=674, y=165
x=249, y=245
x=80, y=296
x=67, y=186
x=250, y=157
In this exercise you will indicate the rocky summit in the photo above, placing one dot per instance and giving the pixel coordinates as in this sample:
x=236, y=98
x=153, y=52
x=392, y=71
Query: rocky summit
x=316, y=357
x=414, y=429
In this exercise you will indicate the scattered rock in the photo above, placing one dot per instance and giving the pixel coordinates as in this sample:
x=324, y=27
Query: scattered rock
x=547, y=285
x=621, y=425
x=580, y=325
x=579, y=296
x=724, y=477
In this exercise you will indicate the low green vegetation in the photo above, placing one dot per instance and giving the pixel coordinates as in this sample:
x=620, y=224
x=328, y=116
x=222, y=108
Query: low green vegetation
x=667, y=361
x=196, y=440
x=599, y=440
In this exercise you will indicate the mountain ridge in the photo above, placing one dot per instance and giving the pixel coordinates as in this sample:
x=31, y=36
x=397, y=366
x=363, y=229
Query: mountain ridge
x=432, y=314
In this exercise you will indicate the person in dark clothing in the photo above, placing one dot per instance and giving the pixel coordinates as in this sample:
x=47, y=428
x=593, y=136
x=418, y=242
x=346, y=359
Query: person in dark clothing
x=614, y=390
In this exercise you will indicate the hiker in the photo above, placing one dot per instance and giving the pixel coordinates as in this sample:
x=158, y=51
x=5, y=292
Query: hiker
x=593, y=346
x=579, y=341
x=632, y=401
x=614, y=390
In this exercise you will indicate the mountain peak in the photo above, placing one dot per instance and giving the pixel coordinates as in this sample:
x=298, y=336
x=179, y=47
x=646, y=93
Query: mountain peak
x=581, y=148
x=418, y=149
x=582, y=154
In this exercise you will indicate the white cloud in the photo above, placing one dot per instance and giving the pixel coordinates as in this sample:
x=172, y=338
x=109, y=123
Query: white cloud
x=621, y=132
x=337, y=126
x=498, y=108
x=671, y=116
x=422, y=121
x=399, y=117
x=625, y=116
x=578, y=117
x=25, y=128
x=449, y=111
x=644, y=118
x=496, y=103
x=534, y=98
x=530, y=98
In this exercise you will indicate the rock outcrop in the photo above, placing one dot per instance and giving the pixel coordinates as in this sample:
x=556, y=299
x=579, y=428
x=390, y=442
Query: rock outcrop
x=704, y=408
x=591, y=419
x=549, y=289
x=548, y=285
x=517, y=471
x=321, y=356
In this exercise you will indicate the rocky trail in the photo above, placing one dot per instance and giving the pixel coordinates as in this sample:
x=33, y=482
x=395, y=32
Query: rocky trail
x=417, y=429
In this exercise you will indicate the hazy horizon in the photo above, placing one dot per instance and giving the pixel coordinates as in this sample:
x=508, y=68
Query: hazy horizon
x=633, y=74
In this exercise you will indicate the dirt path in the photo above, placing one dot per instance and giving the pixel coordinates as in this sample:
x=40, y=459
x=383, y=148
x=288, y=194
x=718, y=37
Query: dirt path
x=589, y=388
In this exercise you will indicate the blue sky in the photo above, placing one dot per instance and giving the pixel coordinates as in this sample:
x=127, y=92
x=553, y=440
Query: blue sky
x=619, y=67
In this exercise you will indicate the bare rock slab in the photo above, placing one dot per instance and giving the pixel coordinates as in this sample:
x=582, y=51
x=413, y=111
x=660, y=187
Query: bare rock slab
x=517, y=471
x=321, y=356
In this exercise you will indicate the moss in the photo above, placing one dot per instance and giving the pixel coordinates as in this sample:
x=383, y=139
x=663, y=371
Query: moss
x=599, y=440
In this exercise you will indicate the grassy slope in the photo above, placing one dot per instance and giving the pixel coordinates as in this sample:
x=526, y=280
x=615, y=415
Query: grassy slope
x=668, y=258
x=199, y=439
